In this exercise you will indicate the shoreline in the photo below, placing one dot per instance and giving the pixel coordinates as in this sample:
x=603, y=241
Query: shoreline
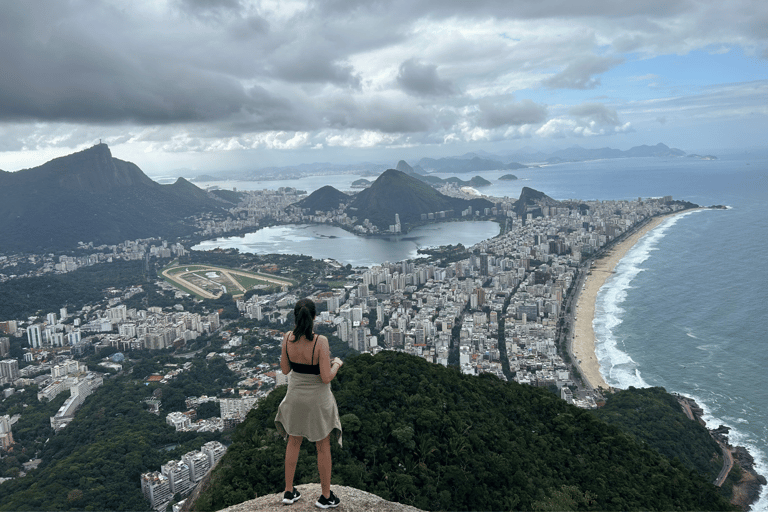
x=583, y=344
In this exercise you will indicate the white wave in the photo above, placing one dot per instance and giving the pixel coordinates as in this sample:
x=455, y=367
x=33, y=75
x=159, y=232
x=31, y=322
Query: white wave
x=616, y=366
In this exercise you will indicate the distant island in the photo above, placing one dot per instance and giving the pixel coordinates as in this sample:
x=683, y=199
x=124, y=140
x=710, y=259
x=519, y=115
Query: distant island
x=508, y=177
x=361, y=183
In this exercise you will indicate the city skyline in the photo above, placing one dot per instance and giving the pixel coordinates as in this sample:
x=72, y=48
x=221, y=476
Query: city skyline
x=215, y=85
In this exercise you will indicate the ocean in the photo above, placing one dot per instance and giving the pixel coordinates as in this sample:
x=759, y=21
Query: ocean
x=685, y=308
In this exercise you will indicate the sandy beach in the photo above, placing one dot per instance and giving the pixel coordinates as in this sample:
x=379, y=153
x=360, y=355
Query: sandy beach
x=583, y=332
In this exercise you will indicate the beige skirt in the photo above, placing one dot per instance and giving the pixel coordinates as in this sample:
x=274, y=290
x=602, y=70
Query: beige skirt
x=308, y=409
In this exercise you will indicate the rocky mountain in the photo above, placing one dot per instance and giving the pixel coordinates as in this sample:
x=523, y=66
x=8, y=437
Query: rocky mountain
x=577, y=153
x=531, y=201
x=419, y=173
x=403, y=166
x=90, y=196
x=324, y=199
x=476, y=181
x=352, y=500
x=460, y=165
x=395, y=192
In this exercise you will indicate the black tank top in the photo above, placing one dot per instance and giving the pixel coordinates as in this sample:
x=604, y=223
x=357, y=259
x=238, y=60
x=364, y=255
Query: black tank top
x=311, y=369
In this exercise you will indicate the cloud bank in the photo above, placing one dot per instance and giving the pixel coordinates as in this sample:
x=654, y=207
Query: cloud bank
x=223, y=75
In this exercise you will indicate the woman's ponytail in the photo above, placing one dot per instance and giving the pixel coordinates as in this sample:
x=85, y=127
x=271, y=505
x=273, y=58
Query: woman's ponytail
x=304, y=314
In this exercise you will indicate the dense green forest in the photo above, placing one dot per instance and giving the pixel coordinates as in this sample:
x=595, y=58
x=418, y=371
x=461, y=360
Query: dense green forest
x=96, y=461
x=425, y=435
x=20, y=298
x=653, y=417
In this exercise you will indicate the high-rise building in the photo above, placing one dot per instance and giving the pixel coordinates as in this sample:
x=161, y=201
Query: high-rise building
x=198, y=463
x=177, y=472
x=5, y=346
x=214, y=450
x=6, y=436
x=9, y=371
x=8, y=327
x=483, y=264
x=35, y=336
x=156, y=488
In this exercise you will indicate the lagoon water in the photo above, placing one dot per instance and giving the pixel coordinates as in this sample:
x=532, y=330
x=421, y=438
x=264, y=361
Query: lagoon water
x=686, y=307
x=324, y=241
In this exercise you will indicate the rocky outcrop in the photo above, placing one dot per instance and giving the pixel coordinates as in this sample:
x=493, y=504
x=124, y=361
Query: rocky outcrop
x=352, y=500
x=747, y=490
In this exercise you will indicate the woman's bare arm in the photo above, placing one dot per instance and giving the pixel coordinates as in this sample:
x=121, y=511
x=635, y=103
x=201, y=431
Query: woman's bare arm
x=328, y=368
x=285, y=366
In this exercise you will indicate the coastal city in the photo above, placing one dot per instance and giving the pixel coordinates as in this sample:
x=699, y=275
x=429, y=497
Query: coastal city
x=510, y=288
x=505, y=306
x=501, y=307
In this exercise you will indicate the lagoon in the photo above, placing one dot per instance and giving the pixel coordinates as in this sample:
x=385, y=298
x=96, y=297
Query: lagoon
x=325, y=241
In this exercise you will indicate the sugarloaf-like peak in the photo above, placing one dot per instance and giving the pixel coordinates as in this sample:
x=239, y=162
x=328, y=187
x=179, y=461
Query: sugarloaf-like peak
x=403, y=166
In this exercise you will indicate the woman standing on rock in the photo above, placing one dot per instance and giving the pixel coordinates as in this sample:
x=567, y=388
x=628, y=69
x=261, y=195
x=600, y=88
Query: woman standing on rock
x=309, y=408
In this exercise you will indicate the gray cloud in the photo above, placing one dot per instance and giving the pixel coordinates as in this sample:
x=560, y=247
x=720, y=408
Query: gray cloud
x=596, y=112
x=494, y=115
x=308, y=63
x=505, y=8
x=388, y=115
x=207, y=5
x=229, y=72
x=418, y=78
x=579, y=74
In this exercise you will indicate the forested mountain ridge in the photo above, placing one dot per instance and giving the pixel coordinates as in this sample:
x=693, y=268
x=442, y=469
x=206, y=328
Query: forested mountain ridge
x=428, y=436
x=90, y=196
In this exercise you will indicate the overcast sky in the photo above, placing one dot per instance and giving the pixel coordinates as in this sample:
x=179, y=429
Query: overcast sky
x=237, y=84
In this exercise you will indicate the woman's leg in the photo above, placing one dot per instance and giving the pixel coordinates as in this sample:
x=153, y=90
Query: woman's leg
x=324, y=465
x=291, y=456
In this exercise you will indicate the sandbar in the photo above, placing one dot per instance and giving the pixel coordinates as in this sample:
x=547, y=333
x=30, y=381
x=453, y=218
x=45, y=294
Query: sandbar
x=583, y=345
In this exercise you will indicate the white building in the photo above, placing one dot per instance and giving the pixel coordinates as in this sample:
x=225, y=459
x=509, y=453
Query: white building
x=35, y=336
x=214, y=450
x=6, y=437
x=178, y=420
x=198, y=463
x=9, y=371
x=157, y=489
x=177, y=472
